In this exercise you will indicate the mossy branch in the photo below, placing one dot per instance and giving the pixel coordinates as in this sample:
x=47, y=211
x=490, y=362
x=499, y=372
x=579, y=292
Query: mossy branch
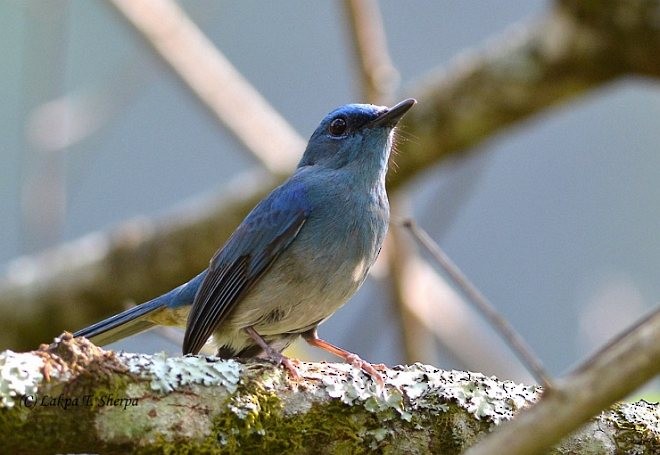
x=73, y=396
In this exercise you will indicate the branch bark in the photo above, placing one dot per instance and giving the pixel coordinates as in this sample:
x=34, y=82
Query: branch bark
x=576, y=48
x=72, y=396
x=616, y=371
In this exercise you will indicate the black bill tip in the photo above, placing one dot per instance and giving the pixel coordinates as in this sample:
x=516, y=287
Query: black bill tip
x=392, y=116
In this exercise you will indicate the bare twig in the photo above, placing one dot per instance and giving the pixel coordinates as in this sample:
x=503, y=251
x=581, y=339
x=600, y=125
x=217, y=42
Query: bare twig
x=617, y=370
x=450, y=325
x=515, y=341
x=378, y=76
x=217, y=84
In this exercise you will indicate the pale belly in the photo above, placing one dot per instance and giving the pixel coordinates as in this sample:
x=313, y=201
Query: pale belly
x=292, y=302
x=305, y=286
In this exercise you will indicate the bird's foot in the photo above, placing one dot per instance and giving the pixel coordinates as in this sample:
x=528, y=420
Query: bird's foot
x=367, y=367
x=280, y=359
x=312, y=338
x=273, y=355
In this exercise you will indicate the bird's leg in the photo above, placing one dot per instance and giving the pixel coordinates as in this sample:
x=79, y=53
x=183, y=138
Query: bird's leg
x=273, y=354
x=312, y=338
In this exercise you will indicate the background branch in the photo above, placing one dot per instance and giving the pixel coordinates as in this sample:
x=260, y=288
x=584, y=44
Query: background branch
x=577, y=47
x=515, y=342
x=85, y=280
x=616, y=371
x=378, y=77
x=215, y=82
x=560, y=57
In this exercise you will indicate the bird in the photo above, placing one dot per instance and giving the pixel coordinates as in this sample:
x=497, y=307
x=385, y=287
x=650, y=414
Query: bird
x=296, y=258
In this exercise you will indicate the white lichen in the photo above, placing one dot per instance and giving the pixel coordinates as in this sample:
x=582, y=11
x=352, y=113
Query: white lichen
x=20, y=375
x=424, y=387
x=642, y=413
x=350, y=385
x=170, y=373
x=244, y=405
x=484, y=397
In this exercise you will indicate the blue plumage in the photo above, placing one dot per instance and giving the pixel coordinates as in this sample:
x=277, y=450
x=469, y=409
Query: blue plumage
x=298, y=256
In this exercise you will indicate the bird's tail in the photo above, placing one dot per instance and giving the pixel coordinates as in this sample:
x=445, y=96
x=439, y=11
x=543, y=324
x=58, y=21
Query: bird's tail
x=129, y=322
x=168, y=309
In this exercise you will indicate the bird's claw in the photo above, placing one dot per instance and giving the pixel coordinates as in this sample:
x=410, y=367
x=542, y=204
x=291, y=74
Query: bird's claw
x=368, y=368
x=290, y=367
x=280, y=359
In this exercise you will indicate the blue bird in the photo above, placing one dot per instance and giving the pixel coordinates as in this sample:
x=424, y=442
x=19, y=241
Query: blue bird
x=296, y=258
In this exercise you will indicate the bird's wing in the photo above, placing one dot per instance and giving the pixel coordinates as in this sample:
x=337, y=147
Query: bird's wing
x=255, y=245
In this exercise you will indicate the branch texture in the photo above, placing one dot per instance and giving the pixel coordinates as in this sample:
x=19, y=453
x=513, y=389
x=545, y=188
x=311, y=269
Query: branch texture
x=72, y=396
x=616, y=371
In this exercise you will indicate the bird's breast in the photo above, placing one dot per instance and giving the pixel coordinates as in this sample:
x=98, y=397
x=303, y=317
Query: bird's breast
x=321, y=269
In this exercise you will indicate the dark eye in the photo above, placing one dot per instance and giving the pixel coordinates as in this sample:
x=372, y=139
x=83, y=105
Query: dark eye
x=337, y=127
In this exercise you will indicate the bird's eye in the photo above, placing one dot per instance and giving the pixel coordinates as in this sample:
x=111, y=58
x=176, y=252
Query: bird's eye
x=337, y=127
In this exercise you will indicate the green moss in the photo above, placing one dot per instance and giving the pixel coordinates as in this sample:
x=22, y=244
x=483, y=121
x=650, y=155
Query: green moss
x=253, y=418
x=62, y=429
x=256, y=423
x=328, y=428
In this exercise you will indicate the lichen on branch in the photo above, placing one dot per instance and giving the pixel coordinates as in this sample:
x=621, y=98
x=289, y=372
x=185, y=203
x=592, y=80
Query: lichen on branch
x=74, y=396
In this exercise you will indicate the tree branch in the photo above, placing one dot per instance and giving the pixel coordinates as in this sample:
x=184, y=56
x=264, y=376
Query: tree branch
x=72, y=397
x=616, y=371
x=378, y=76
x=485, y=308
x=577, y=47
x=218, y=85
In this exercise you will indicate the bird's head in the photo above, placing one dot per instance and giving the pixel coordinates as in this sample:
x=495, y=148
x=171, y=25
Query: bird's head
x=355, y=134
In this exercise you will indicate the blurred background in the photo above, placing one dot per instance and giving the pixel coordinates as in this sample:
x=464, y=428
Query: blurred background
x=555, y=220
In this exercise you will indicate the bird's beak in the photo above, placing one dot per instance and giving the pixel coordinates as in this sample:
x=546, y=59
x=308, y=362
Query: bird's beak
x=392, y=115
